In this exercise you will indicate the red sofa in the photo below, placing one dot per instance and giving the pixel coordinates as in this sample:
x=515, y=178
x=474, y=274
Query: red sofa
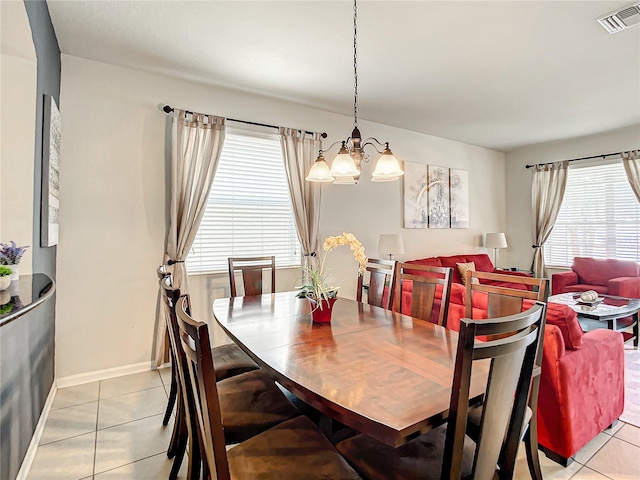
x=582, y=381
x=612, y=277
x=482, y=263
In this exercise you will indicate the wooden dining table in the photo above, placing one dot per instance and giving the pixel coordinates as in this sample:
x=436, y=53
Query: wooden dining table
x=381, y=373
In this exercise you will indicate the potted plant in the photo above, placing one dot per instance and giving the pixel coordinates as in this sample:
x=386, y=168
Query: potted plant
x=5, y=277
x=319, y=293
x=10, y=255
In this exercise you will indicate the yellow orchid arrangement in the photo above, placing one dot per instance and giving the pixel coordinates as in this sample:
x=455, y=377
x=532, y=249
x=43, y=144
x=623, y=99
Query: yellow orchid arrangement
x=316, y=286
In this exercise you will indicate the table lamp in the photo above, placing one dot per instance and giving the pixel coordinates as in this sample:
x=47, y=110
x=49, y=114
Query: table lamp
x=495, y=241
x=390, y=243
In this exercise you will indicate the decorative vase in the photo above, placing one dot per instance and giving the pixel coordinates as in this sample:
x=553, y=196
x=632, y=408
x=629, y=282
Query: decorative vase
x=321, y=315
x=14, y=272
x=5, y=282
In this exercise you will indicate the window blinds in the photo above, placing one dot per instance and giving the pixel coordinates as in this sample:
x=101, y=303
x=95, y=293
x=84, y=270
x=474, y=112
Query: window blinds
x=599, y=217
x=249, y=211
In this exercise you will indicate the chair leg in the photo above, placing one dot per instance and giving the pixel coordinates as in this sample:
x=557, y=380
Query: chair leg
x=533, y=460
x=531, y=437
x=180, y=432
x=173, y=392
x=181, y=448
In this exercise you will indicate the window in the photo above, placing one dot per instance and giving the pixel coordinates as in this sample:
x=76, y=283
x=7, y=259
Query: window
x=249, y=211
x=599, y=217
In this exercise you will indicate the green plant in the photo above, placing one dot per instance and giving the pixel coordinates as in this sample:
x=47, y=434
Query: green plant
x=316, y=286
x=4, y=271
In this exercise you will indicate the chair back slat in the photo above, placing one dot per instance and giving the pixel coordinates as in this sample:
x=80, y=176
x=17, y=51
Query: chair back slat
x=425, y=280
x=194, y=339
x=380, y=276
x=252, y=271
x=512, y=360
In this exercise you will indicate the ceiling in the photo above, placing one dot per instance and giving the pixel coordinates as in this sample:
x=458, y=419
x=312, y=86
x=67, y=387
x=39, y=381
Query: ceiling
x=495, y=74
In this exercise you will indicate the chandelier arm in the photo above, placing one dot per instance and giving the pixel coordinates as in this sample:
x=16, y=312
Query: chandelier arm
x=324, y=150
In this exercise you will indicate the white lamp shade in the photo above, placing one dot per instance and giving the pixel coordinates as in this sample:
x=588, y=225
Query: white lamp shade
x=387, y=166
x=495, y=240
x=384, y=179
x=319, y=172
x=390, y=243
x=344, y=166
x=345, y=181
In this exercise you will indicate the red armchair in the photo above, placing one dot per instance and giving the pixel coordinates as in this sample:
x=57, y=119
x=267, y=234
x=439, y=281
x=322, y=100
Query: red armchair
x=611, y=277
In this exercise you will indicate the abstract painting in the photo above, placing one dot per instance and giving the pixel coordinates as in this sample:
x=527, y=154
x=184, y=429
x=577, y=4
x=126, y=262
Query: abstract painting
x=459, y=194
x=438, y=196
x=415, y=195
x=50, y=202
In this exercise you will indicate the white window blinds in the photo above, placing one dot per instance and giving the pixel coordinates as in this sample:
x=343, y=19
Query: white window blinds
x=599, y=217
x=249, y=211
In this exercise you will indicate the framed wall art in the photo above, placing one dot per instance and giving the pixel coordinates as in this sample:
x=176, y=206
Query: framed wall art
x=438, y=197
x=415, y=195
x=435, y=197
x=459, y=197
x=50, y=200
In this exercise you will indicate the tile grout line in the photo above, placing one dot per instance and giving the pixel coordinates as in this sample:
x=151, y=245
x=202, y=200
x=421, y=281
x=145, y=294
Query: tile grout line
x=130, y=463
x=591, y=470
x=95, y=440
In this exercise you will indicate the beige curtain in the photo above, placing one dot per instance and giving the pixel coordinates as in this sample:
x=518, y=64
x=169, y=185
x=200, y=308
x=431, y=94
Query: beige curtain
x=631, y=162
x=549, y=182
x=196, y=144
x=300, y=150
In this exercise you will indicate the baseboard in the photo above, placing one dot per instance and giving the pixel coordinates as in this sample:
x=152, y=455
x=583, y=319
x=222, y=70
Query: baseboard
x=88, y=377
x=23, y=473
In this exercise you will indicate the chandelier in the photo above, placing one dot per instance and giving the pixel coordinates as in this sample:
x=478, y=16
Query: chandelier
x=347, y=166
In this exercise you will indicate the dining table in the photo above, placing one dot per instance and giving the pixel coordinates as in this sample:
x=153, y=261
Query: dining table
x=378, y=372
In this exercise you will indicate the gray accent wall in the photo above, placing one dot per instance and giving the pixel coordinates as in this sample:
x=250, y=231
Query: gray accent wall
x=27, y=344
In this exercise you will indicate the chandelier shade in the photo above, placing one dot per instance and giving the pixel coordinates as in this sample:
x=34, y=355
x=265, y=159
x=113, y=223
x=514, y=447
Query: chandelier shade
x=319, y=171
x=344, y=165
x=347, y=166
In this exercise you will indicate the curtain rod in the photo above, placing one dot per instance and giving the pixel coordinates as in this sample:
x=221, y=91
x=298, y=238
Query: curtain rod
x=577, y=159
x=169, y=109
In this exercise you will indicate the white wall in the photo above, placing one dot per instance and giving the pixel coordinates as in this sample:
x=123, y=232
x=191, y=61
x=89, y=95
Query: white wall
x=112, y=213
x=519, y=213
x=18, y=89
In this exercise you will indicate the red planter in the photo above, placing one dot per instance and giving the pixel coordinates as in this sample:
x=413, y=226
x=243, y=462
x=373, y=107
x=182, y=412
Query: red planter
x=321, y=315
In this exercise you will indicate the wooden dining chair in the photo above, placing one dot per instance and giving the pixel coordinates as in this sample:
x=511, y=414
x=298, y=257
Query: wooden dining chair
x=446, y=452
x=380, y=276
x=502, y=300
x=424, y=280
x=252, y=271
x=250, y=402
x=230, y=360
x=293, y=449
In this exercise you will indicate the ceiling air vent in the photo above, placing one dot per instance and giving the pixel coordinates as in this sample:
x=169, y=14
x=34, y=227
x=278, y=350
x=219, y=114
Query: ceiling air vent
x=617, y=21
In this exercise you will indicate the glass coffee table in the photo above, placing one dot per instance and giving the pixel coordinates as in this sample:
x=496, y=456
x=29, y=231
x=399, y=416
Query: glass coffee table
x=619, y=313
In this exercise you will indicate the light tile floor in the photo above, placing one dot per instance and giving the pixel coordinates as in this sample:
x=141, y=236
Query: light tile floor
x=112, y=430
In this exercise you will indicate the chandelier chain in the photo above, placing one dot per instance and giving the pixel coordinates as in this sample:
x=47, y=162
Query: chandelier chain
x=355, y=63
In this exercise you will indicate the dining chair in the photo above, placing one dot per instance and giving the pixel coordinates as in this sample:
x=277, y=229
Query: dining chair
x=423, y=281
x=293, y=449
x=230, y=360
x=252, y=270
x=446, y=452
x=502, y=301
x=380, y=278
x=250, y=402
